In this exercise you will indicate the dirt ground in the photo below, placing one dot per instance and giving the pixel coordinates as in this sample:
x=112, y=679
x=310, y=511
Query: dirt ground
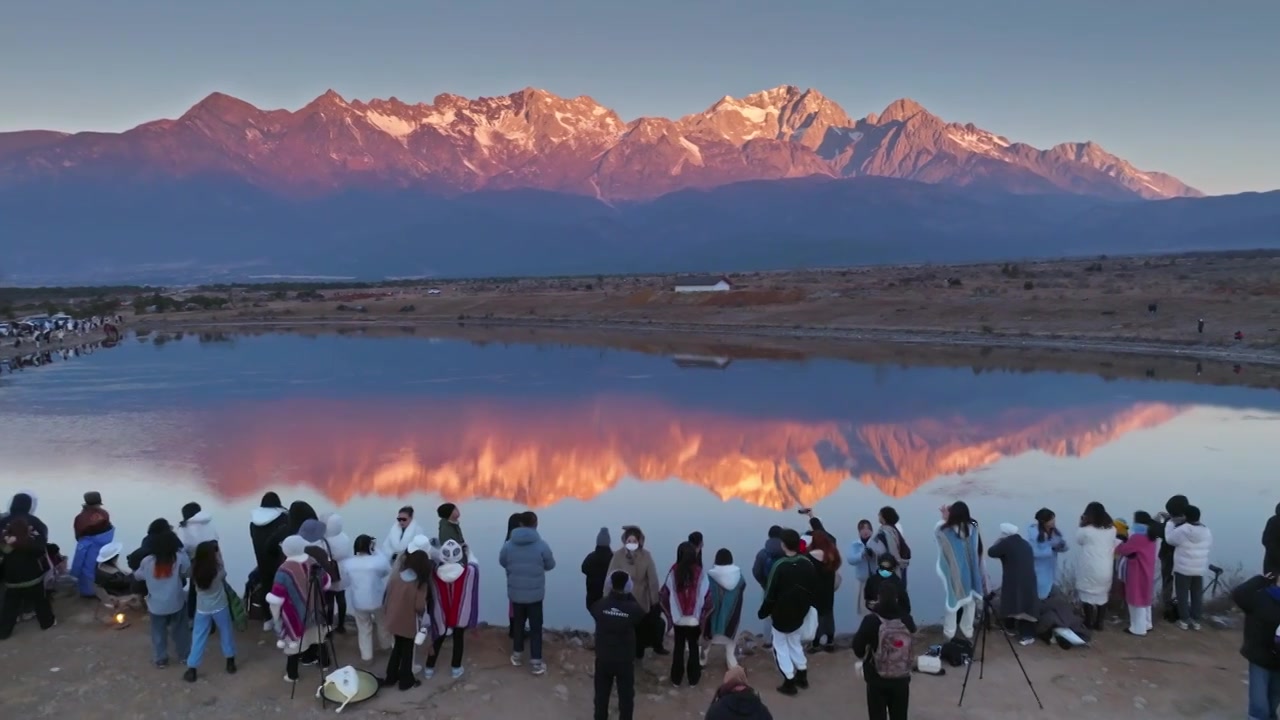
x=83, y=669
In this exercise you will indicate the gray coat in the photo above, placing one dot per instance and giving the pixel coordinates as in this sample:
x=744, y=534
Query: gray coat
x=526, y=558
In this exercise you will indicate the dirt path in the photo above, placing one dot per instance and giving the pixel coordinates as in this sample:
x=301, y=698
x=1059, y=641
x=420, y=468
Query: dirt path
x=81, y=669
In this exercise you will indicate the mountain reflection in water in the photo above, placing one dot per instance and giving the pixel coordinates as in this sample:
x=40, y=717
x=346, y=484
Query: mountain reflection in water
x=537, y=452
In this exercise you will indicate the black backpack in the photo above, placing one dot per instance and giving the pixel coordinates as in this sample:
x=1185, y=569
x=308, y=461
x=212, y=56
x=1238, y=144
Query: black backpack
x=956, y=651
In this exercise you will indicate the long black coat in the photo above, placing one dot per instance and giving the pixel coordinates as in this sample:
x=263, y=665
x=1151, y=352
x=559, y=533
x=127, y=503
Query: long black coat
x=1018, y=593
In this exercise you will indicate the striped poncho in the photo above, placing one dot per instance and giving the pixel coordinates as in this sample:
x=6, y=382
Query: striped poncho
x=456, y=598
x=296, y=619
x=959, y=565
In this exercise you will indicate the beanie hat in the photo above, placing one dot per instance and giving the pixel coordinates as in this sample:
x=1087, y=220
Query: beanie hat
x=418, y=543
x=293, y=546
x=602, y=538
x=724, y=557
x=1008, y=529
x=312, y=531
x=92, y=497
x=445, y=511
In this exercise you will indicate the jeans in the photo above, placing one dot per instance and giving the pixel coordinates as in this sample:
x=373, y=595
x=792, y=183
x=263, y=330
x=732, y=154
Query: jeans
x=1264, y=692
x=165, y=626
x=1166, y=579
x=531, y=613
x=17, y=599
x=624, y=674
x=1190, y=590
x=336, y=610
x=459, y=637
x=887, y=699
x=369, y=622
x=686, y=642
x=400, y=664
x=200, y=635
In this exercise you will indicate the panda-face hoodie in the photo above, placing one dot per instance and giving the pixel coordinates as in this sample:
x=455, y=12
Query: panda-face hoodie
x=340, y=546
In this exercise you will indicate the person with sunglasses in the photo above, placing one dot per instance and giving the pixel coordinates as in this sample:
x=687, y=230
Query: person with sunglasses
x=402, y=532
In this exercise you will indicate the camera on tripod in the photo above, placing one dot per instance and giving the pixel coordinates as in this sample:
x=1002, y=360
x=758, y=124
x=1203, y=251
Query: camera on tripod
x=1217, y=571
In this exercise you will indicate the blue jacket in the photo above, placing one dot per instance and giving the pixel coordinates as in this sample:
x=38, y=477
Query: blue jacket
x=84, y=564
x=526, y=558
x=1046, y=555
x=768, y=555
x=862, y=560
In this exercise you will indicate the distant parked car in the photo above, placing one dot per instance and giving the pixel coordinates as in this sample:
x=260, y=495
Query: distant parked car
x=433, y=291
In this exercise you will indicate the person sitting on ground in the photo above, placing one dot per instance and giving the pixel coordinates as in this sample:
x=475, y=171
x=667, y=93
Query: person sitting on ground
x=1019, y=600
x=23, y=563
x=109, y=576
x=93, y=531
x=595, y=566
x=884, y=644
x=158, y=527
x=617, y=616
x=1259, y=598
x=788, y=598
x=728, y=588
x=736, y=700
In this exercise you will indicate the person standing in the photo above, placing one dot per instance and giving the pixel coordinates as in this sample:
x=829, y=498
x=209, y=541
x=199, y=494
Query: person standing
x=1259, y=598
x=889, y=539
x=788, y=597
x=1139, y=554
x=684, y=602
x=884, y=643
x=728, y=589
x=164, y=571
x=403, y=610
x=212, y=608
x=765, y=558
x=637, y=562
x=1019, y=599
x=595, y=566
x=960, y=565
x=617, y=616
x=527, y=559
x=1175, y=507
x=265, y=521
x=402, y=532
x=826, y=560
x=1046, y=544
x=1271, y=544
x=449, y=528
x=863, y=560
x=339, y=546
x=294, y=618
x=1192, y=543
x=1095, y=569
x=23, y=563
x=366, y=575
x=195, y=527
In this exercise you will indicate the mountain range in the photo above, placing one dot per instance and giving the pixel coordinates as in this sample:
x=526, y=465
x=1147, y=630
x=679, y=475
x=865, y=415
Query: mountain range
x=533, y=183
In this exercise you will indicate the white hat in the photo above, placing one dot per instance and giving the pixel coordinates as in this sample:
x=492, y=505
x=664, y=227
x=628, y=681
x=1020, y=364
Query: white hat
x=1008, y=529
x=419, y=542
x=109, y=551
x=293, y=546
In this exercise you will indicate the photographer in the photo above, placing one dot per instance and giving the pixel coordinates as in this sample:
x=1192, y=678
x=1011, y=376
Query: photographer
x=1174, y=509
x=1259, y=598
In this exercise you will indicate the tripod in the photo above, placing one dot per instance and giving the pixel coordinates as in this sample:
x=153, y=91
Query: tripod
x=985, y=629
x=317, y=609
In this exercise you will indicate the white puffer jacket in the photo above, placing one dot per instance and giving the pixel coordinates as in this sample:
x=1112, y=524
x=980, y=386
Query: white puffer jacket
x=1191, y=547
x=366, y=580
x=340, y=545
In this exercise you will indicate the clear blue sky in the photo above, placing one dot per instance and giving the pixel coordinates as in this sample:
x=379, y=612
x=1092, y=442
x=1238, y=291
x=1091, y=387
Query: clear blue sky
x=1182, y=86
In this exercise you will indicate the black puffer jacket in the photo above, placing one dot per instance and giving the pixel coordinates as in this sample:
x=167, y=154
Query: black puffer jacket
x=792, y=589
x=617, y=616
x=1261, y=616
x=299, y=512
x=1271, y=544
x=737, y=703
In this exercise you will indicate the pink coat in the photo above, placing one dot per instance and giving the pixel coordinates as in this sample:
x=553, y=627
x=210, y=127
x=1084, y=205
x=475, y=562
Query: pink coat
x=1140, y=568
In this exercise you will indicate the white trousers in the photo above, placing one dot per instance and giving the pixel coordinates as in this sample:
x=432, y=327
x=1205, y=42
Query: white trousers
x=860, y=600
x=730, y=648
x=1140, y=620
x=366, y=623
x=968, y=608
x=788, y=651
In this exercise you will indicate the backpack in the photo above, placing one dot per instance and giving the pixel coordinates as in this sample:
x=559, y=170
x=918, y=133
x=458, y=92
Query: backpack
x=956, y=651
x=893, y=657
x=335, y=574
x=902, y=545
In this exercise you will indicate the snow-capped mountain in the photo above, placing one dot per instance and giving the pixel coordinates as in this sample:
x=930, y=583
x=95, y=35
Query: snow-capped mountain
x=535, y=139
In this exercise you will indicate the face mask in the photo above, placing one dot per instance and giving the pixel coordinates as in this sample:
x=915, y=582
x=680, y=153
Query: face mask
x=633, y=546
x=885, y=573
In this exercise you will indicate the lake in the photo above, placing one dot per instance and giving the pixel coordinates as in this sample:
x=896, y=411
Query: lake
x=591, y=438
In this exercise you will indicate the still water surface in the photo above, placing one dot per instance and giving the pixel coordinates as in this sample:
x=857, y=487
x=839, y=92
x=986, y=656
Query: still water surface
x=591, y=438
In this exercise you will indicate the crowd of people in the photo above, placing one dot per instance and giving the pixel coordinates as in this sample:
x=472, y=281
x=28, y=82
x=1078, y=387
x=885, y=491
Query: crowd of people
x=411, y=589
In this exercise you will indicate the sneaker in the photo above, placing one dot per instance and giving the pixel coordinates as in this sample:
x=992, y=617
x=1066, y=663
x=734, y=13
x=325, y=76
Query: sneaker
x=231, y=666
x=1195, y=625
x=517, y=659
x=311, y=661
x=1183, y=626
x=290, y=680
x=702, y=656
x=268, y=626
x=189, y=675
x=162, y=664
x=456, y=672
x=1027, y=641
x=537, y=667
x=428, y=673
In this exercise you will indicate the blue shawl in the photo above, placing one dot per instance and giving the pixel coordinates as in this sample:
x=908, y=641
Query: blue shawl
x=959, y=565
